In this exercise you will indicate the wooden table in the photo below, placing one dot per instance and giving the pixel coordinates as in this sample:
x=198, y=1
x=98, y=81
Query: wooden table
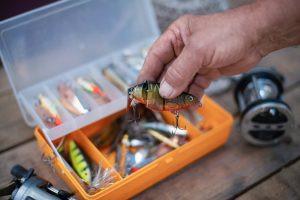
x=236, y=170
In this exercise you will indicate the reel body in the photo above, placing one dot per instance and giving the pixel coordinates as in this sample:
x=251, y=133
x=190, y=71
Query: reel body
x=27, y=186
x=265, y=119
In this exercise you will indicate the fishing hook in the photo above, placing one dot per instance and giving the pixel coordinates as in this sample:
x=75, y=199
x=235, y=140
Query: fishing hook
x=177, y=123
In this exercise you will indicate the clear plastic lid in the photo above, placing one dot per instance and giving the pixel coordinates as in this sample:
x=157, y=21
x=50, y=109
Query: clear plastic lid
x=65, y=40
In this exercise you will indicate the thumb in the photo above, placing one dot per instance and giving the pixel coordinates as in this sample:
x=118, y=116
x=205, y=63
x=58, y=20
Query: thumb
x=179, y=75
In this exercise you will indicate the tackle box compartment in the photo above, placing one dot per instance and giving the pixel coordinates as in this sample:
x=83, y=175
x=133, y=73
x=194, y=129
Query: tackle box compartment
x=200, y=144
x=70, y=39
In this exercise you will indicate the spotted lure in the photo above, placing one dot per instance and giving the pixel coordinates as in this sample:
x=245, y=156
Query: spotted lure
x=79, y=162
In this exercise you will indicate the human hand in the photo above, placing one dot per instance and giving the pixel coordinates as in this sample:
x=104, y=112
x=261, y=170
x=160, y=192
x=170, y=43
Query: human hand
x=195, y=50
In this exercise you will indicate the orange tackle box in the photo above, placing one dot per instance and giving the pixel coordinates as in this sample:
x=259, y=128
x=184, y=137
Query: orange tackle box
x=70, y=39
x=200, y=144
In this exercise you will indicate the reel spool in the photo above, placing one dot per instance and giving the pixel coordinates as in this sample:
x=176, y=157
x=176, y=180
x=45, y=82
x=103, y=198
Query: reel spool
x=265, y=119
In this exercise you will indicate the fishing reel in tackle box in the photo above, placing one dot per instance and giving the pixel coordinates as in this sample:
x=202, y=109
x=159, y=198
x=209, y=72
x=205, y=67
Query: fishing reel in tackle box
x=26, y=185
x=265, y=119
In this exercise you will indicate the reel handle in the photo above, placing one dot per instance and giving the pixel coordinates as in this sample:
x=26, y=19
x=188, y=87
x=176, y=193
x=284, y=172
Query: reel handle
x=21, y=173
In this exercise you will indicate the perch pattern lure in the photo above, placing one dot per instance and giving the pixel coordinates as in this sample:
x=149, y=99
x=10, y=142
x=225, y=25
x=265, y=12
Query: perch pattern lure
x=147, y=93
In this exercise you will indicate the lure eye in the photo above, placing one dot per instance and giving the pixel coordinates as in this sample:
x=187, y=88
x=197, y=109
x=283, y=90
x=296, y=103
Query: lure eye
x=130, y=92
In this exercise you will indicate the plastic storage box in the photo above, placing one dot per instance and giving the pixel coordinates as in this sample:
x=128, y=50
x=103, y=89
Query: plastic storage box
x=69, y=39
x=86, y=39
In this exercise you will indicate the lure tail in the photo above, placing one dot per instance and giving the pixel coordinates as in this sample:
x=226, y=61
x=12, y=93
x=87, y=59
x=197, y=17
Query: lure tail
x=57, y=121
x=98, y=91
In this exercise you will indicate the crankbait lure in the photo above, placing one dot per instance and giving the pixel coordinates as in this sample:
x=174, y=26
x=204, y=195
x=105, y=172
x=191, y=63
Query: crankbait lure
x=44, y=115
x=49, y=108
x=147, y=93
x=90, y=86
x=79, y=162
x=163, y=127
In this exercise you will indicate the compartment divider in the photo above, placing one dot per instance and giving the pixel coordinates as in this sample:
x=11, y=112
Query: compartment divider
x=126, y=71
x=112, y=91
x=56, y=101
x=92, y=103
x=96, y=154
x=31, y=110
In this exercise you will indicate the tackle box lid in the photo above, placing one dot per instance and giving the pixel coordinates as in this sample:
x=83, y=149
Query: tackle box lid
x=49, y=41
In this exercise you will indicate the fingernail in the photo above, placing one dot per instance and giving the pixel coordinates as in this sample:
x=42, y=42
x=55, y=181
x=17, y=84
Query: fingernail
x=166, y=89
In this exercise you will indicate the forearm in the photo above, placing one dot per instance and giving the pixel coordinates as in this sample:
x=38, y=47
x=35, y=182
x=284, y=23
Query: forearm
x=277, y=24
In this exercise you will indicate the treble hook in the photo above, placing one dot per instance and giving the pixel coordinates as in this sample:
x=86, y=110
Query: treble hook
x=136, y=116
x=177, y=123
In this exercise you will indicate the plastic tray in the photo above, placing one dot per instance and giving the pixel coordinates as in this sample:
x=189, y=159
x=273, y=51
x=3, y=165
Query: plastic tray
x=66, y=39
x=200, y=144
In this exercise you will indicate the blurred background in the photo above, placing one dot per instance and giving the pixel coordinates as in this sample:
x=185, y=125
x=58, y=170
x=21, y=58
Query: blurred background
x=166, y=10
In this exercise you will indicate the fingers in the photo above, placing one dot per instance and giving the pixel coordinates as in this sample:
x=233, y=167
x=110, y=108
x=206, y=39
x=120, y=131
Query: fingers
x=162, y=52
x=202, y=81
x=196, y=90
x=179, y=75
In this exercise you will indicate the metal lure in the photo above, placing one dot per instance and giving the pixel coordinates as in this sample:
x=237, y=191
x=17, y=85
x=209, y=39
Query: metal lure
x=79, y=162
x=141, y=155
x=147, y=93
x=136, y=143
x=165, y=128
x=70, y=100
x=142, y=164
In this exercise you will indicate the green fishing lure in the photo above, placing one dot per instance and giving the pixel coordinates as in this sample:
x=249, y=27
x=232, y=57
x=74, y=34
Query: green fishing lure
x=79, y=162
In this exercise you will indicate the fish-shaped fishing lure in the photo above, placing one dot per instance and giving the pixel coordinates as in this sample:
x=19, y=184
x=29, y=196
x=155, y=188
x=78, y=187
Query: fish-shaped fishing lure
x=147, y=93
x=49, y=108
x=71, y=99
x=79, y=162
x=49, y=121
x=164, y=128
